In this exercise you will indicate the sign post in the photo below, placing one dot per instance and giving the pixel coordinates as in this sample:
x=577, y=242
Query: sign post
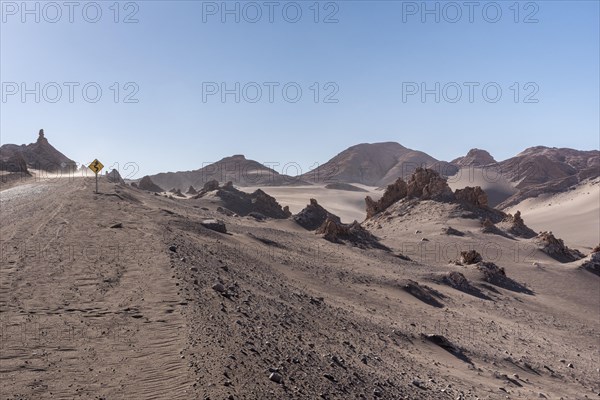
x=96, y=166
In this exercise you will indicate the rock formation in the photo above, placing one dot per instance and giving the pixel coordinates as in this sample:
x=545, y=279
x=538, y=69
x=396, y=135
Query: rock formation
x=353, y=233
x=313, y=216
x=40, y=155
x=114, y=177
x=516, y=226
x=556, y=248
x=243, y=203
x=592, y=261
x=394, y=192
x=427, y=184
x=469, y=257
x=191, y=191
x=472, y=195
x=146, y=184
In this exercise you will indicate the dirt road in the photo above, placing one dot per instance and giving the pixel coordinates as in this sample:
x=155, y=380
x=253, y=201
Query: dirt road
x=86, y=310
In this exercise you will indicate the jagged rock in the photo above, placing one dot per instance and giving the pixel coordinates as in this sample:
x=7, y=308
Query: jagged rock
x=244, y=203
x=133, y=184
x=336, y=232
x=459, y=282
x=491, y=271
x=313, y=216
x=213, y=185
x=394, y=192
x=489, y=227
x=191, y=191
x=257, y=216
x=215, y=225
x=114, y=177
x=556, y=248
x=422, y=292
x=592, y=261
x=427, y=184
x=469, y=257
x=472, y=195
x=452, y=232
x=40, y=155
x=178, y=193
x=497, y=276
x=147, y=184
x=516, y=226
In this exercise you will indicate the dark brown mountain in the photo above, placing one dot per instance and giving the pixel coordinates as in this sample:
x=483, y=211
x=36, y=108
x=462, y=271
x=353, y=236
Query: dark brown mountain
x=40, y=155
x=475, y=157
x=375, y=164
x=534, y=171
x=236, y=169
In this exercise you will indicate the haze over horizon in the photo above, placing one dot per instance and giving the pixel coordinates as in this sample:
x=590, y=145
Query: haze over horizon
x=367, y=56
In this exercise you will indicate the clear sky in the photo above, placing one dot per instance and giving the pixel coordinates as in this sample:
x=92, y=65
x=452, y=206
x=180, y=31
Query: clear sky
x=371, y=61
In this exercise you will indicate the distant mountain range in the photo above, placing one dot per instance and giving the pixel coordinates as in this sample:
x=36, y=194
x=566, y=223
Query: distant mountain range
x=534, y=171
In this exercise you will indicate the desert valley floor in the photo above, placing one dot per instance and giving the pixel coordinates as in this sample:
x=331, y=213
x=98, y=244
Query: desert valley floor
x=126, y=294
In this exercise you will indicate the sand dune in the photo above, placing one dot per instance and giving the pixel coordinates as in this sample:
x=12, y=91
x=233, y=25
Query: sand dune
x=573, y=215
x=349, y=206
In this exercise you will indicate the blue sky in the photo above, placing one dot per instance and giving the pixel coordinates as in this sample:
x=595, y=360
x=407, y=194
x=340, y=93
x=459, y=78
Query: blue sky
x=371, y=61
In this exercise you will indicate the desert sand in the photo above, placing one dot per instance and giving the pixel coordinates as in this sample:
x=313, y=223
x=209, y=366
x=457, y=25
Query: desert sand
x=126, y=295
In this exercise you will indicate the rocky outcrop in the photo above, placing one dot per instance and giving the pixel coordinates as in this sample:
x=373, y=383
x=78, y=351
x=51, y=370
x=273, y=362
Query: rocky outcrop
x=114, y=177
x=209, y=186
x=424, y=184
x=472, y=195
x=516, y=226
x=146, y=184
x=556, y=248
x=592, y=262
x=191, y=191
x=394, y=192
x=427, y=184
x=40, y=155
x=244, y=203
x=215, y=225
x=313, y=216
x=469, y=257
x=354, y=233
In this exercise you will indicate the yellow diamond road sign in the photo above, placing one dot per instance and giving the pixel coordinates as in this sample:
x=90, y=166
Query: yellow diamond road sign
x=96, y=166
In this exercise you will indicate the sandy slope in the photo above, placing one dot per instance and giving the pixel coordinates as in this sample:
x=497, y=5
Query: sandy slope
x=573, y=216
x=334, y=321
x=490, y=179
x=347, y=205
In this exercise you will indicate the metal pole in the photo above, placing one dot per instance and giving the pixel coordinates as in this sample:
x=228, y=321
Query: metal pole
x=96, y=183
